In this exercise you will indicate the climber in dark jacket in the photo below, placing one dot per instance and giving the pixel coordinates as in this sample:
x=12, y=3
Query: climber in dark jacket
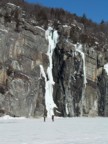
x=53, y=118
x=45, y=114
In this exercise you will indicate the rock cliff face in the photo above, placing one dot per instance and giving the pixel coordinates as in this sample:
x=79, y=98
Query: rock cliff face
x=79, y=72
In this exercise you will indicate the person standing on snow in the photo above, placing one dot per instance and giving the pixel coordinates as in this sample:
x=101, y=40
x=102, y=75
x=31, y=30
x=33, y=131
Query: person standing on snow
x=45, y=114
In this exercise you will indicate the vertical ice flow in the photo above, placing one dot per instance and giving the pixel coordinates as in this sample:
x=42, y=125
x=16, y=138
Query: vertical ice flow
x=52, y=37
x=79, y=49
x=83, y=103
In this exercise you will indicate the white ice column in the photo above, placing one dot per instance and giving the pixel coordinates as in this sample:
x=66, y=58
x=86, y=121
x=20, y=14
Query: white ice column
x=52, y=37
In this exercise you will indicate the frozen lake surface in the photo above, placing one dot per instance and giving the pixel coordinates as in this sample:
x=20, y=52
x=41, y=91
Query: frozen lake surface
x=61, y=131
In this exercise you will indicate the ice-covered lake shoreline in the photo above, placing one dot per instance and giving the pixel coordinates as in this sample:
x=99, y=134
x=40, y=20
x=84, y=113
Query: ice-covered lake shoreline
x=61, y=131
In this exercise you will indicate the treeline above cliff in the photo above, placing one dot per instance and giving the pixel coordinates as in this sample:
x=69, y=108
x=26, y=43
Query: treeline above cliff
x=91, y=32
x=42, y=12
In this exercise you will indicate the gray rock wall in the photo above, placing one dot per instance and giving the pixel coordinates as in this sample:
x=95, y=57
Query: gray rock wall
x=22, y=91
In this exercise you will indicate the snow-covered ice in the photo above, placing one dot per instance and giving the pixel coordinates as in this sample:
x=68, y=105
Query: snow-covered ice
x=61, y=131
x=7, y=117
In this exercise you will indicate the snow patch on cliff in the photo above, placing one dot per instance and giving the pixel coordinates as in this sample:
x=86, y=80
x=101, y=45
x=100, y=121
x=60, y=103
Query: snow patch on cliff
x=4, y=30
x=11, y=4
x=40, y=28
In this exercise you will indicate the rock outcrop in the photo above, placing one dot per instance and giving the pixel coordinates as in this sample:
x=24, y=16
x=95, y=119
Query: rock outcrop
x=23, y=48
x=21, y=53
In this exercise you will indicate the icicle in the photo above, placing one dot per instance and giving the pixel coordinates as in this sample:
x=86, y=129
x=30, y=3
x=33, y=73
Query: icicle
x=106, y=68
x=95, y=105
x=30, y=111
x=67, y=112
x=42, y=72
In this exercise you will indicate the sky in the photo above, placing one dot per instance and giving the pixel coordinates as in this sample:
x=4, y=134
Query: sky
x=96, y=10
